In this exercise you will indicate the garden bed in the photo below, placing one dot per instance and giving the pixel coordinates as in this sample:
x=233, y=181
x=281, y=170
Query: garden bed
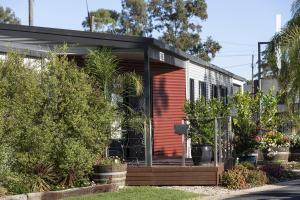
x=53, y=195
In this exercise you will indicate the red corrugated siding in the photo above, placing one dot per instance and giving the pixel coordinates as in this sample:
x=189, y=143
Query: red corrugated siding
x=168, y=97
x=168, y=94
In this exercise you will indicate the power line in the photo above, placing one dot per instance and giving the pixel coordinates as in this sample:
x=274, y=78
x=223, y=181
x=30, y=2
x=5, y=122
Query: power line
x=250, y=51
x=238, y=44
x=234, y=55
x=240, y=65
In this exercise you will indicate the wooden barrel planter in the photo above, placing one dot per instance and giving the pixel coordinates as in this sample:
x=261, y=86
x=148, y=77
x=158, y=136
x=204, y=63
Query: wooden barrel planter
x=295, y=154
x=110, y=174
x=278, y=154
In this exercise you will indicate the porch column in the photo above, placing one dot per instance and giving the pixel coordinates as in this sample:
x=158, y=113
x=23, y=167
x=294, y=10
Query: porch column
x=147, y=109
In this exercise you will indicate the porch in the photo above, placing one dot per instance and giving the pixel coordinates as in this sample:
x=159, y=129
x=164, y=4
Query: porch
x=171, y=175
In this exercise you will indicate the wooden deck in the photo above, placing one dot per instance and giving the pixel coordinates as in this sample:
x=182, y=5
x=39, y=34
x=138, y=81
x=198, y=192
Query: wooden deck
x=160, y=175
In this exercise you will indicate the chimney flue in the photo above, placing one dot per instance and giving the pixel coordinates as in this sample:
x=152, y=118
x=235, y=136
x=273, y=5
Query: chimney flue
x=30, y=11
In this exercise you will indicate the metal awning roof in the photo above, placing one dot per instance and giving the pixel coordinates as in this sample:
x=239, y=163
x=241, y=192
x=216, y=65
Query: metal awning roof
x=37, y=41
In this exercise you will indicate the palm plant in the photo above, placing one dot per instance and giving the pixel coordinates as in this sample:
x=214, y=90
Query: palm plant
x=102, y=65
x=116, y=85
x=288, y=41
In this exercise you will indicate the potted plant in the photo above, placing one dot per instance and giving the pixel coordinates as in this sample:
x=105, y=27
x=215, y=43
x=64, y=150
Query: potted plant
x=295, y=147
x=201, y=115
x=201, y=130
x=274, y=145
x=244, y=126
x=111, y=170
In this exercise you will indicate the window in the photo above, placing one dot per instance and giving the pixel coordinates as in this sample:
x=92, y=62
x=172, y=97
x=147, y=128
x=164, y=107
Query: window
x=202, y=89
x=214, y=91
x=224, y=94
x=236, y=88
x=192, y=90
x=222, y=91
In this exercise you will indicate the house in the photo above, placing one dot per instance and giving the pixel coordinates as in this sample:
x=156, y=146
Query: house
x=209, y=81
x=170, y=77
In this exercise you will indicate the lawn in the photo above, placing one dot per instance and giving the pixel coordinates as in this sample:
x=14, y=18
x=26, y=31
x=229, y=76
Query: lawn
x=138, y=193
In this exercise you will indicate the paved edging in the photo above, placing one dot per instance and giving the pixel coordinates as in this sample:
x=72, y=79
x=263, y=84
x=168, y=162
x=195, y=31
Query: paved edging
x=54, y=195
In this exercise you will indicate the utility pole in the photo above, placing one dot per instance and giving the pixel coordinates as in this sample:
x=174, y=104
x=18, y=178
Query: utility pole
x=259, y=74
x=90, y=18
x=30, y=12
x=252, y=66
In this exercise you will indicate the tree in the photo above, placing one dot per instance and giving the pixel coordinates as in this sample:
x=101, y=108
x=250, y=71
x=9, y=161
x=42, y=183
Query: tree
x=288, y=41
x=173, y=21
x=7, y=16
x=104, y=20
x=134, y=19
x=176, y=20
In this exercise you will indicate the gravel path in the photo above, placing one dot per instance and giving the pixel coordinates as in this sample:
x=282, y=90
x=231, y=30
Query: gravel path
x=218, y=193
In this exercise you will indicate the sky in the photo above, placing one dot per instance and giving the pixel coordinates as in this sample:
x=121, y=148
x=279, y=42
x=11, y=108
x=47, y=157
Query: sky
x=238, y=25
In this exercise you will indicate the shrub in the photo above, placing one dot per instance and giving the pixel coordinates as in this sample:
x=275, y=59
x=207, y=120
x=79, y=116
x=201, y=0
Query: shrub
x=18, y=183
x=50, y=113
x=248, y=165
x=240, y=177
x=3, y=191
x=244, y=126
x=256, y=178
x=234, y=179
x=201, y=114
x=277, y=172
x=274, y=170
x=75, y=163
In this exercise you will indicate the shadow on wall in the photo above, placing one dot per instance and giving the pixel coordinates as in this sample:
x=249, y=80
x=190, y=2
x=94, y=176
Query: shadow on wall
x=161, y=154
x=160, y=96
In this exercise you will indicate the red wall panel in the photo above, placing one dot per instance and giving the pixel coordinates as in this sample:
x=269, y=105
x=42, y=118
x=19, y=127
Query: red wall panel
x=168, y=95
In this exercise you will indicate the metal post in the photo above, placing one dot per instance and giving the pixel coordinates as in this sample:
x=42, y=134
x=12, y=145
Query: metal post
x=230, y=136
x=259, y=65
x=216, y=142
x=252, y=67
x=147, y=108
x=220, y=131
x=183, y=142
x=30, y=12
x=259, y=74
x=92, y=23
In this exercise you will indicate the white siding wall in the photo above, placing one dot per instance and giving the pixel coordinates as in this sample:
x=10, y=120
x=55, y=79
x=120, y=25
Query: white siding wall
x=240, y=83
x=209, y=76
x=200, y=73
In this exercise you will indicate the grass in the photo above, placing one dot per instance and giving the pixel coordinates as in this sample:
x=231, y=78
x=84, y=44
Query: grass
x=141, y=193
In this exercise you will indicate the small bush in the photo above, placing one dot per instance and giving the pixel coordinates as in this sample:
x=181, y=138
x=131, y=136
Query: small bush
x=256, y=178
x=240, y=177
x=234, y=179
x=274, y=170
x=18, y=183
x=277, y=172
x=248, y=165
x=3, y=191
